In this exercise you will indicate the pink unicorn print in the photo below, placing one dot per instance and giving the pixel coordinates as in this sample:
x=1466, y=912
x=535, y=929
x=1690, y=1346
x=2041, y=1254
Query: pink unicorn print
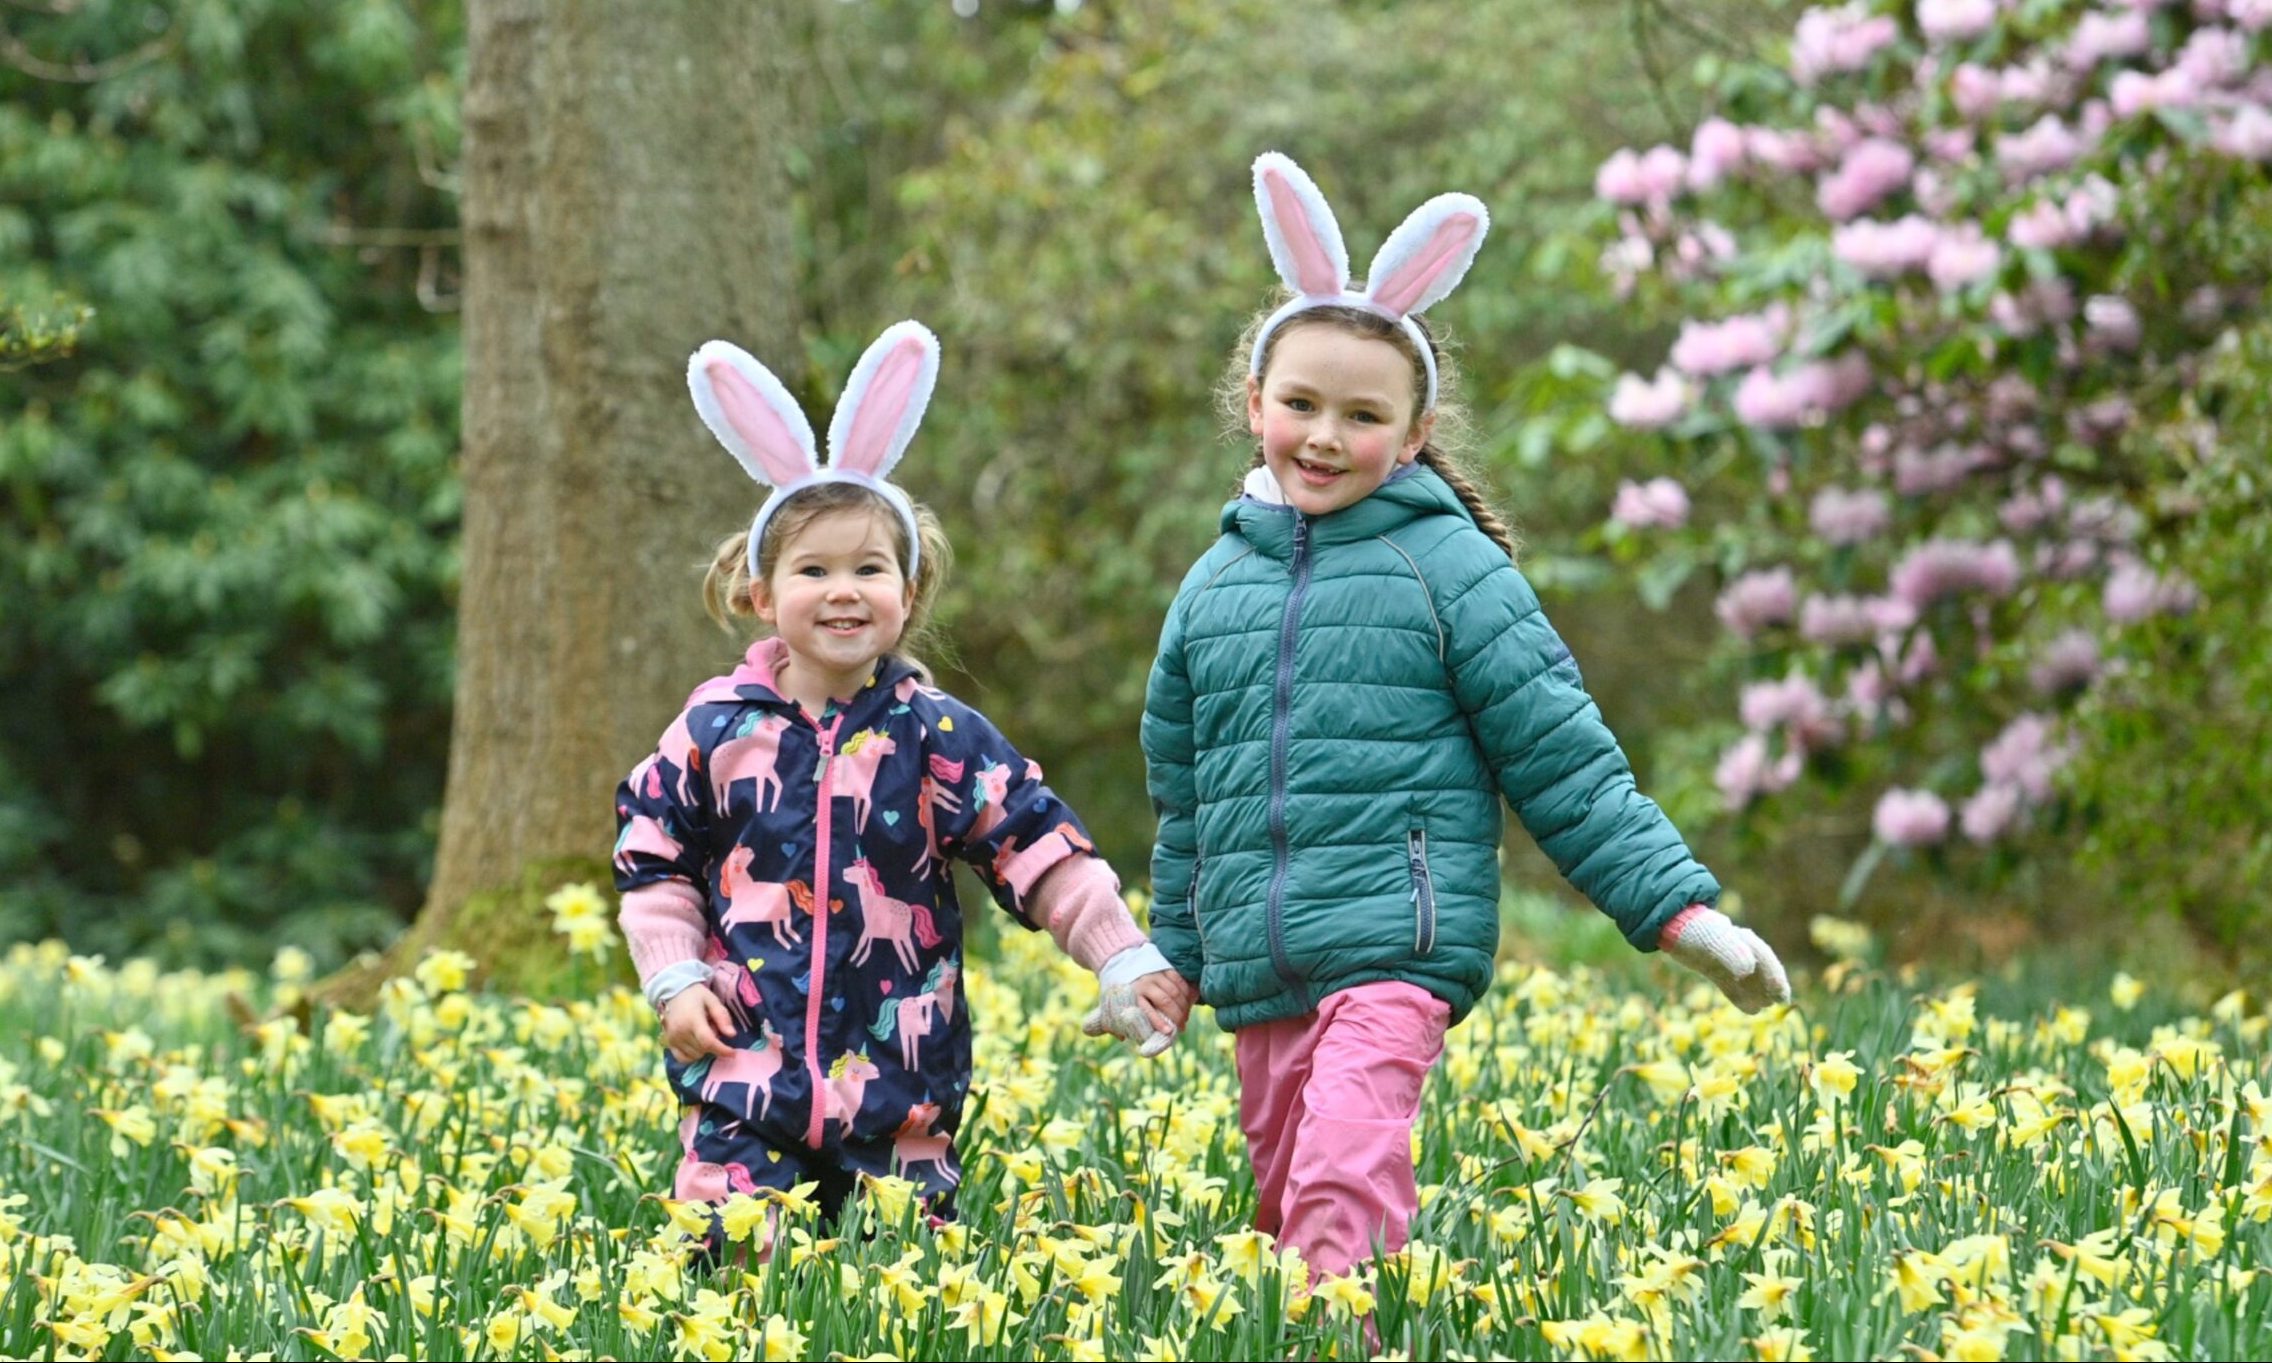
x=917, y=1142
x=887, y=918
x=911, y=1017
x=936, y=793
x=1020, y=867
x=753, y=751
x=944, y=977
x=909, y=688
x=848, y=1084
x=678, y=748
x=987, y=794
x=701, y=1181
x=734, y=984
x=753, y=1068
x=853, y=772
x=757, y=901
x=642, y=834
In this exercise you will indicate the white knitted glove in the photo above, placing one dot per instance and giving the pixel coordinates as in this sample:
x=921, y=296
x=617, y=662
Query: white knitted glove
x=1118, y=1014
x=1734, y=959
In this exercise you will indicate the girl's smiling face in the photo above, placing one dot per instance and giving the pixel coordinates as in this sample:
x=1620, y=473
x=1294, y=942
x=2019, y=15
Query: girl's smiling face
x=838, y=599
x=1335, y=414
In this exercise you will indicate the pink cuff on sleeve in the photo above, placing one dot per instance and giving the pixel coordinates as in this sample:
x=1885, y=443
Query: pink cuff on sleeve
x=663, y=925
x=1678, y=924
x=1079, y=901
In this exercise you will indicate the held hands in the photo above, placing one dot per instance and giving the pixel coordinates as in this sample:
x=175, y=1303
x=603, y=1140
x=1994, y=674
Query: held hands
x=1734, y=959
x=1146, y=1012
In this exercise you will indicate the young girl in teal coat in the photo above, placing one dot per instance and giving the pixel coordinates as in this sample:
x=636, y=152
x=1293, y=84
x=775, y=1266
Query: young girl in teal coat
x=1347, y=684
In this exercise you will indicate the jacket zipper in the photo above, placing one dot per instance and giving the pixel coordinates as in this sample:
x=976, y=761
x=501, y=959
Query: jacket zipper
x=821, y=887
x=1281, y=734
x=1423, y=893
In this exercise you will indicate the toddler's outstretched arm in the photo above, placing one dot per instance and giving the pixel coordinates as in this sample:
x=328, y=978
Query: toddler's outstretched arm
x=1143, y=1000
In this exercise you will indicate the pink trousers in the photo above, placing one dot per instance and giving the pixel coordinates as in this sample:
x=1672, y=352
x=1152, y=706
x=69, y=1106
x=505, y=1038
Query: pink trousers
x=1327, y=1101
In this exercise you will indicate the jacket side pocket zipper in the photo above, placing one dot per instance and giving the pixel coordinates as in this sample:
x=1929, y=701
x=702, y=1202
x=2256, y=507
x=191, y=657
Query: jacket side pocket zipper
x=1423, y=892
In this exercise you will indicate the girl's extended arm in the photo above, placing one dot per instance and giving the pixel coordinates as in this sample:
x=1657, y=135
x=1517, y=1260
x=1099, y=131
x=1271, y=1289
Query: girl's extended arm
x=1556, y=761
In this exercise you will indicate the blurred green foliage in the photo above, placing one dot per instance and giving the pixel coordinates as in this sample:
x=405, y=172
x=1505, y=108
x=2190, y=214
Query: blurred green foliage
x=229, y=517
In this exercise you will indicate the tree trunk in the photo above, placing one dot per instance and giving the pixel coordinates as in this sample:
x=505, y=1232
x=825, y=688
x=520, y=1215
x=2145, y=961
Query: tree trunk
x=626, y=198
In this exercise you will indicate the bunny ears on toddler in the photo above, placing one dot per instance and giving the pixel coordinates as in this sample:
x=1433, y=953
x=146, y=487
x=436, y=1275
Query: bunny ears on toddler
x=1422, y=260
x=757, y=421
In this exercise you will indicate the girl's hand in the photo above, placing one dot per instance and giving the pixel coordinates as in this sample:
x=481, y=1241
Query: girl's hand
x=1169, y=997
x=696, y=1023
x=1129, y=1012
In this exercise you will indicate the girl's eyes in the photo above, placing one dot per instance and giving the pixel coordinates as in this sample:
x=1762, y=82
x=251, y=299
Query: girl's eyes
x=1305, y=405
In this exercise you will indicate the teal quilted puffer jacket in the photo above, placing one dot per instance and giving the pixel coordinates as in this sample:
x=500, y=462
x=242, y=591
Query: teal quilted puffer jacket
x=1337, y=707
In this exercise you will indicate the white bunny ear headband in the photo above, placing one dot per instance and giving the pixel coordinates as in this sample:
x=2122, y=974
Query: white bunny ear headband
x=1422, y=260
x=757, y=421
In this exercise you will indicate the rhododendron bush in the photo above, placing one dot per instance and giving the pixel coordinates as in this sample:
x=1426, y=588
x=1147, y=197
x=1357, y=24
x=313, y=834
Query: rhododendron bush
x=1952, y=284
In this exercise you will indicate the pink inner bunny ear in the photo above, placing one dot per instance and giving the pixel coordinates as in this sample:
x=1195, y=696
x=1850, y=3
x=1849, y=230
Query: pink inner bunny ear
x=1305, y=240
x=883, y=401
x=1428, y=254
x=752, y=415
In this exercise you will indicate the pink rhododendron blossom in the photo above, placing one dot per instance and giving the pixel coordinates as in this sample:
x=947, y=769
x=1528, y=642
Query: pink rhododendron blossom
x=1992, y=812
x=1757, y=600
x=2135, y=592
x=1881, y=250
x=1941, y=568
x=1805, y=393
x=2247, y=135
x=1708, y=348
x=1835, y=620
x=2025, y=756
x=2113, y=322
x=1714, y=153
x=1849, y=517
x=2135, y=92
x=1963, y=255
x=2042, y=226
x=2048, y=145
x=1659, y=503
x=2066, y=561
x=1910, y=818
x=2214, y=57
x=1829, y=41
x=1976, y=91
x=2031, y=509
x=2099, y=35
x=1796, y=706
x=1955, y=21
x=1870, y=170
x=1746, y=771
x=1648, y=405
